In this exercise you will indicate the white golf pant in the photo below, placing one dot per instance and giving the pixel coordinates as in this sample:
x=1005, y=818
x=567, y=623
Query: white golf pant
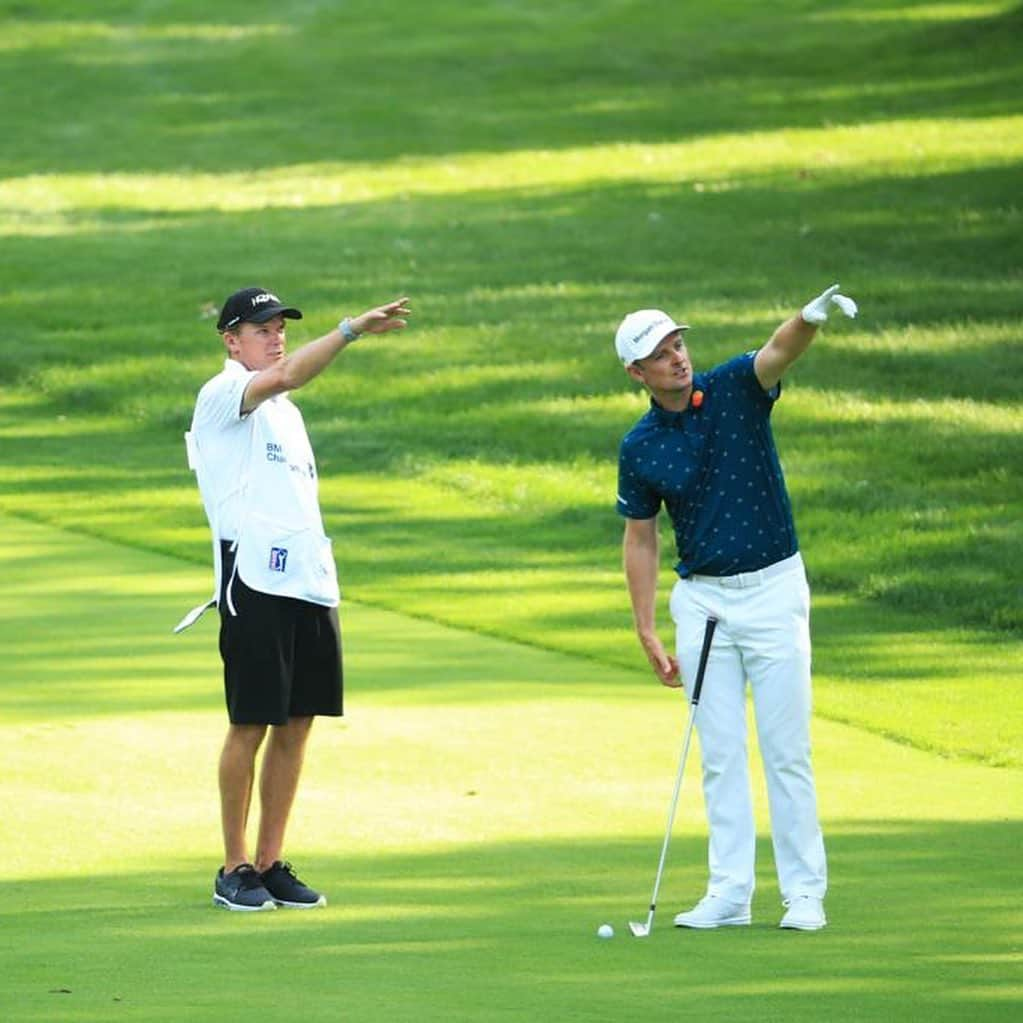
x=763, y=636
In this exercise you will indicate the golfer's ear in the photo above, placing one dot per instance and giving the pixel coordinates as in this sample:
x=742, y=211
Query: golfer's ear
x=635, y=372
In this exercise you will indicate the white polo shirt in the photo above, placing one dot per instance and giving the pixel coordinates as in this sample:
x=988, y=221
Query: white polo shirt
x=257, y=477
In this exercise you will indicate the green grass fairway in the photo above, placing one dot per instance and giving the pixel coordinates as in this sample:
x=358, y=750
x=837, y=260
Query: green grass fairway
x=480, y=810
x=527, y=172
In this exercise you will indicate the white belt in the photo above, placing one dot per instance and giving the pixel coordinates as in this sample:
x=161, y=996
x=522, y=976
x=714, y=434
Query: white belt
x=743, y=579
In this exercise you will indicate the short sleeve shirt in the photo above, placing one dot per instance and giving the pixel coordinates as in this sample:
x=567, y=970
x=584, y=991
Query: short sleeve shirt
x=237, y=447
x=715, y=468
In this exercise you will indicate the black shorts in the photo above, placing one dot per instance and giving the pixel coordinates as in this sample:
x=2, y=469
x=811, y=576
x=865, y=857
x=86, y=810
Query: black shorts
x=282, y=656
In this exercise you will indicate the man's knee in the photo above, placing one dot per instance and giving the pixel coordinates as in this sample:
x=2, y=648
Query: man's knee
x=293, y=734
x=246, y=738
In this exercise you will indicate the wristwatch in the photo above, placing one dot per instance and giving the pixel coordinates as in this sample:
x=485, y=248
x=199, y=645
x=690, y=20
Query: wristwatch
x=347, y=330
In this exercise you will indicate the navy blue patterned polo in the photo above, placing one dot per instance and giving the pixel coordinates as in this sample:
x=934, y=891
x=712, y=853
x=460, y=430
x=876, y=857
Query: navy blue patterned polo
x=716, y=470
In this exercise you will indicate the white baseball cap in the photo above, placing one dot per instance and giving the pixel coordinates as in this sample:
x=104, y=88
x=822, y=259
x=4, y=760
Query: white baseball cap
x=641, y=332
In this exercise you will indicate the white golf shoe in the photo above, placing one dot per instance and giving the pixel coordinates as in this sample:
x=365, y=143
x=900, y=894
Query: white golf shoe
x=804, y=913
x=712, y=911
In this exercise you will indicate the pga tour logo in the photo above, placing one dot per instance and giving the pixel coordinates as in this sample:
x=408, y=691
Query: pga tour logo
x=278, y=558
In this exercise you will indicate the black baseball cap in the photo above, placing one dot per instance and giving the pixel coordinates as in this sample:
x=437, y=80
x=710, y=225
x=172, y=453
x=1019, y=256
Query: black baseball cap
x=254, y=305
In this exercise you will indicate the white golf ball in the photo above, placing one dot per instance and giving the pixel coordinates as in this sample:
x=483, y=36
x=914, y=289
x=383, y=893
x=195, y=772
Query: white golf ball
x=605, y=931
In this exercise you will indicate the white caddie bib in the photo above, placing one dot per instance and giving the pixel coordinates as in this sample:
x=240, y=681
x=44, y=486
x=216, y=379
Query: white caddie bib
x=282, y=548
x=259, y=487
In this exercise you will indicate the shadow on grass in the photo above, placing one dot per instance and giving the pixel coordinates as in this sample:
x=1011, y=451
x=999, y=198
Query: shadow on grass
x=491, y=78
x=913, y=262
x=920, y=923
x=482, y=381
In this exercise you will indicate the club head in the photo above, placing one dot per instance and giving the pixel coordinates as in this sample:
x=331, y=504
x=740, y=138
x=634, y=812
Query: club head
x=639, y=930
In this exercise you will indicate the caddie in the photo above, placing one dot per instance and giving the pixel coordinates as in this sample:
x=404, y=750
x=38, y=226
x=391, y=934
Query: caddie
x=705, y=451
x=275, y=578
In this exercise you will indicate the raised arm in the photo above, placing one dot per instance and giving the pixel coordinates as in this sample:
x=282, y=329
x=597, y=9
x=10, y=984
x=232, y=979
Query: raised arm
x=293, y=371
x=641, y=557
x=793, y=337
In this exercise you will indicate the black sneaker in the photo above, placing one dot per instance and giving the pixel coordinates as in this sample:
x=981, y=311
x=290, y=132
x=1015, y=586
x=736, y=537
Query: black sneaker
x=286, y=889
x=241, y=889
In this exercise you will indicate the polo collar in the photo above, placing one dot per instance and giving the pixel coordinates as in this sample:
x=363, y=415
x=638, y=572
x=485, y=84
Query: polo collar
x=664, y=417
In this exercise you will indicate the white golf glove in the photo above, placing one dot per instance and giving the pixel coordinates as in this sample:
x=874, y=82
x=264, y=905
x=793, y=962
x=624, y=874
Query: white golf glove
x=817, y=310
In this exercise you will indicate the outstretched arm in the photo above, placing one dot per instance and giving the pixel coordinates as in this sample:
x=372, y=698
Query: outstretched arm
x=640, y=554
x=310, y=360
x=793, y=337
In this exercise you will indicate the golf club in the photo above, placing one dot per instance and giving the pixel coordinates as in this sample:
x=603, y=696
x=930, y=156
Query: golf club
x=642, y=930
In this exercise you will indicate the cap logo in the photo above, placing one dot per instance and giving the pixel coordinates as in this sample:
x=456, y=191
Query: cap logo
x=649, y=327
x=263, y=298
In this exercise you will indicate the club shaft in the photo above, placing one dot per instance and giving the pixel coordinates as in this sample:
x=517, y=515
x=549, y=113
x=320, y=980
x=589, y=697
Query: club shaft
x=671, y=813
x=708, y=636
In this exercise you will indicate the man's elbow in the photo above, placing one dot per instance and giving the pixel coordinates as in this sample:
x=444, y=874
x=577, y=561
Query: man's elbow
x=268, y=383
x=286, y=376
x=770, y=364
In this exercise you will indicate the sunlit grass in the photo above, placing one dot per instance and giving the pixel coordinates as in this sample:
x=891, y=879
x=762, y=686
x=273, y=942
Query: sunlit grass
x=919, y=148
x=938, y=12
x=63, y=34
x=838, y=407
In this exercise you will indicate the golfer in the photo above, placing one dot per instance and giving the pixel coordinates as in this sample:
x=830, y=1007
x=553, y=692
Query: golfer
x=706, y=452
x=276, y=581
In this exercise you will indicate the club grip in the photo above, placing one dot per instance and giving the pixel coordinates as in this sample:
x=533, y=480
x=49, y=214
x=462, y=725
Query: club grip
x=708, y=636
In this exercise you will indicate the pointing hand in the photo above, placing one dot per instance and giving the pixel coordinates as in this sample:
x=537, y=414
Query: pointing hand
x=816, y=312
x=383, y=318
